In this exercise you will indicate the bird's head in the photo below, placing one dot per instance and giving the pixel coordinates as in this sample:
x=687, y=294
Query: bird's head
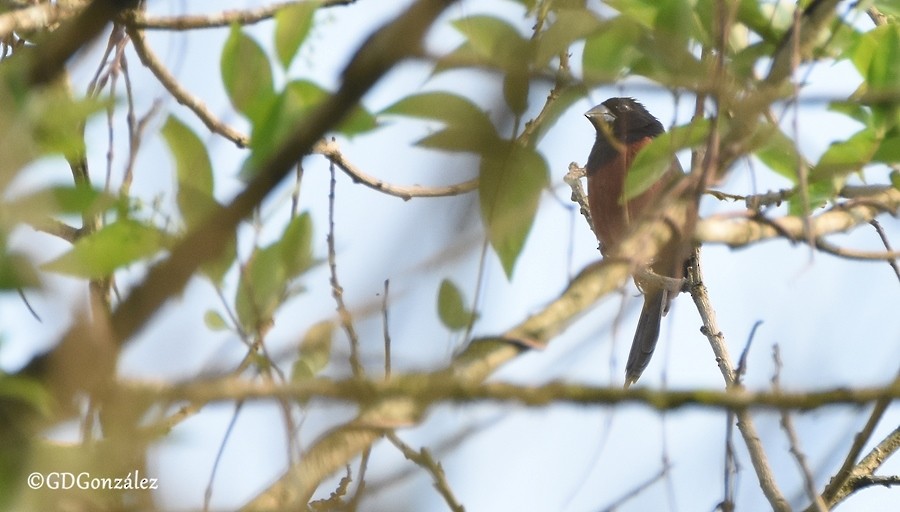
x=624, y=120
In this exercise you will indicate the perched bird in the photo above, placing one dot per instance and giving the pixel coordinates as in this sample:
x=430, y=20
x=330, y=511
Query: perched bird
x=624, y=127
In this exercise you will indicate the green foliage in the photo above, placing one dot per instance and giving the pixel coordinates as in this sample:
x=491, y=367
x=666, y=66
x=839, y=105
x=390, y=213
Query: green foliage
x=571, y=25
x=467, y=127
x=115, y=246
x=193, y=170
x=653, y=161
x=194, y=196
x=247, y=75
x=511, y=180
x=265, y=278
x=451, y=307
x=214, y=321
x=314, y=352
x=59, y=200
x=778, y=151
x=292, y=25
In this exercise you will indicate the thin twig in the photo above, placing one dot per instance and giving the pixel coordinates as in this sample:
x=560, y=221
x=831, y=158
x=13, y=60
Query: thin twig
x=386, y=330
x=716, y=339
x=840, y=479
x=337, y=291
x=887, y=246
x=787, y=424
x=424, y=459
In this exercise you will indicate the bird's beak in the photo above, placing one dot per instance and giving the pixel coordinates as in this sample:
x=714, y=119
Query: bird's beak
x=600, y=113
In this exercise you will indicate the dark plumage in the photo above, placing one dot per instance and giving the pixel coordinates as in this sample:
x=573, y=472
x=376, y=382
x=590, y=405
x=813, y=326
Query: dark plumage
x=624, y=127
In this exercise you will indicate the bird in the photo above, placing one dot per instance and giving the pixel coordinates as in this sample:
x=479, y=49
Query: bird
x=624, y=127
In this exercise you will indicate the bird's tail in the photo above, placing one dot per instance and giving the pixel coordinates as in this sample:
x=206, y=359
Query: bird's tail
x=645, y=336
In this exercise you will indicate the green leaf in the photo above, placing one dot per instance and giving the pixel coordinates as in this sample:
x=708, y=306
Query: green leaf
x=314, y=352
x=653, y=161
x=296, y=245
x=292, y=25
x=842, y=158
x=114, y=246
x=247, y=76
x=193, y=170
x=451, y=307
x=464, y=56
x=778, y=152
x=264, y=280
x=509, y=189
x=450, y=109
x=17, y=271
x=214, y=321
x=610, y=53
x=495, y=40
x=261, y=289
x=468, y=128
x=81, y=200
x=889, y=150
x=883, y=72
x=570, y=26
x=895, y=179
x=515, y=90
x=295, y=102
x=459, y=139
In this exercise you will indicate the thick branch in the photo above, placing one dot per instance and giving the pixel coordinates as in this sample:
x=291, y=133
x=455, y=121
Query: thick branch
x=426, y=389
x=737, y=232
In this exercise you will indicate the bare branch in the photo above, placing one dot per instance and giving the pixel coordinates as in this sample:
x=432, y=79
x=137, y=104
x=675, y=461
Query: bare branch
x=221, y=19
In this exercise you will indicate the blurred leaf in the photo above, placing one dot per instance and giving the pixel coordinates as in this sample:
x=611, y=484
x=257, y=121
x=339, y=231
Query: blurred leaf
x=653, y=161
x=675, y=21
x=17, y=271
x=509, y=189
x=468, y=128
x=611, y=51
x=314, y=352
x=292, y=25
x=751, y=15
x=214, y=321
x=451, y=109
x=778, y=152
x=289, y=108
x=570, y=26
x=895, y=179
x=818, y=194
x=247, y=76
x=876, y=55
x=853, y=110
x=81, y=200
x=451, y=307
x=515, y=90
x=641, y=11
x=844, y=157
x=458, y=139
x=296, y=245
x=116, y=245
x=495, y=40
x=884, y=67
x=261, y=289
x=889, y=149
x=300, y=96
x=463, y=56
x=264, y=280
x=193, y=170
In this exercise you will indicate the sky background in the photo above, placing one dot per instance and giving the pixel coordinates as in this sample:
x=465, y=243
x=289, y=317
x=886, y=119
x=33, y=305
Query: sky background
x=835, y=321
